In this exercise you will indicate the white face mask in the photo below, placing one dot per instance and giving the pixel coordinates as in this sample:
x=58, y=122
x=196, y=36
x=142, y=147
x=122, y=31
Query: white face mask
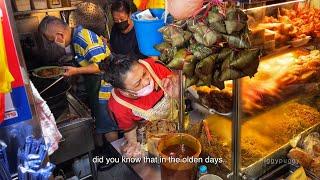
x=146, y=90
x=61, y=44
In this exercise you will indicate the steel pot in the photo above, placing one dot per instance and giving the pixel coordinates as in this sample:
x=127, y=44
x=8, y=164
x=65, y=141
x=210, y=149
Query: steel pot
x=56, y=97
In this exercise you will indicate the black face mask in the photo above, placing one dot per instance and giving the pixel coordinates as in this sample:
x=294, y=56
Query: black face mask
x=122, y=25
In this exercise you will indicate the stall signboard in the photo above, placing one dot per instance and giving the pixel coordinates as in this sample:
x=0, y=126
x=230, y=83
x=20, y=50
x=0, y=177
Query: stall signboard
x=17, y=106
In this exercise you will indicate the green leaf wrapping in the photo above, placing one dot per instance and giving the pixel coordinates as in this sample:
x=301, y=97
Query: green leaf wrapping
x=234, y=26
x=188, y=68
x=179, y=58
x=231, y=74
x=252, y=68
x=162, y=46
x=245, y=58
x=200, y=51
x=238, y=42
x=206, y=36
x=190, y=81
x=236, y=14
x=204, y=80
x=205, y=67
x=226, y=63
x=174, y=35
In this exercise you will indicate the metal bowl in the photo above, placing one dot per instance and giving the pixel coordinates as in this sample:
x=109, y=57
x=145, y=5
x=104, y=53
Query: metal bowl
x=38, y=72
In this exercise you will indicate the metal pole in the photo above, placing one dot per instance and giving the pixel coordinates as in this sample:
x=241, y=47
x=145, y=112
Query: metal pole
x=181, y=103
x=236, y=130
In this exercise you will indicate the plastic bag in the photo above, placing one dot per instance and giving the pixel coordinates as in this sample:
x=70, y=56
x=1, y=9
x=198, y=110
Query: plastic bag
x=311, y=144
x=183, y=9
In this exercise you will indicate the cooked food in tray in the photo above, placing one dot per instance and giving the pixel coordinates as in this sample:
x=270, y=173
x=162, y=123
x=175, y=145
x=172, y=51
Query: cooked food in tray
x=49, y=72
x=260, y=135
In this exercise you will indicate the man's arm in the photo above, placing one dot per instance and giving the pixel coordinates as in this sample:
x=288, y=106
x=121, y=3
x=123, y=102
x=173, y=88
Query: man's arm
x=90, y=69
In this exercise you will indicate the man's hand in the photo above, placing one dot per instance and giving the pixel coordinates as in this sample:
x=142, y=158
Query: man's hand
x=104, y=40
x=171, y=85
x=70, y=71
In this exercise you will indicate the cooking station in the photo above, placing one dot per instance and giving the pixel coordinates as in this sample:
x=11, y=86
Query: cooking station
x=73, y=121
x=76, y=126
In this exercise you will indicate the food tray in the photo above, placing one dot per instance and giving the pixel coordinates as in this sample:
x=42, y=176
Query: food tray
x=263, y=166
x=284, y=171
x=300, y=42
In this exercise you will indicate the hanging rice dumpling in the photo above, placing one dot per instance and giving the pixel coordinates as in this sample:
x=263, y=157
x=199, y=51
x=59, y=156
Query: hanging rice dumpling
x=236, y=14
x=204, y=80
x=226, y=63
x=238, y=42
x=252, y=68
x=190, y=81
x=187, y=35
x=216, y=21
x=162, y=46
x=224, y=53
x=175, y=35
x=167, y=55
x=219, y=26
x=231, y=74
x=234, y=26
x=188, y=68
x=214, y=15
x=218, y=84
x=163, y=58
x=205, y=66
x=215, y=80
x=200, y=51
x=245, y=58
x=191, y=24
x=206, y=36
x=179, y=58
x=246, y=29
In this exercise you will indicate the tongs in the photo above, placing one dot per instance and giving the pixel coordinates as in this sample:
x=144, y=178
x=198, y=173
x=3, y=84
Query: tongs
x=55, y=82
x=205, y=126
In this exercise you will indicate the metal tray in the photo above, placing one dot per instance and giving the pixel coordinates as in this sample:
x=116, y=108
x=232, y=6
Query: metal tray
x=283, y=171
x=262, y=166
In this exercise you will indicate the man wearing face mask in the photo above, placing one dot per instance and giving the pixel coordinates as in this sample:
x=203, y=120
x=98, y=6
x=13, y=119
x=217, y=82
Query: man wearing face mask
x=89, y=52
x=123, y=38
x=143, y=90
